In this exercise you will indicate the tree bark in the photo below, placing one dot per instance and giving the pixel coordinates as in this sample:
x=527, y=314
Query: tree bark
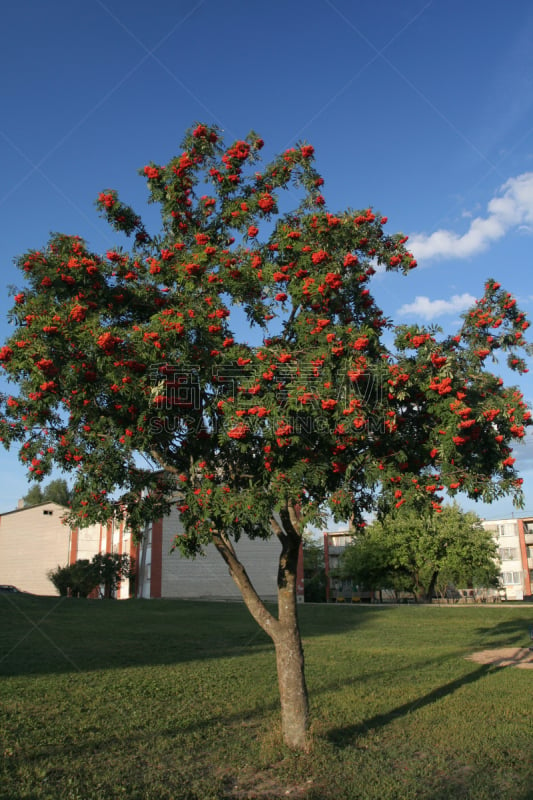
x=288, y=642
x=292, y=687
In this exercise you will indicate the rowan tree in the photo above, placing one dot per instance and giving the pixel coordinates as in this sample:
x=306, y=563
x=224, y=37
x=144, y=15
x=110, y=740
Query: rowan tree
x=143, y=351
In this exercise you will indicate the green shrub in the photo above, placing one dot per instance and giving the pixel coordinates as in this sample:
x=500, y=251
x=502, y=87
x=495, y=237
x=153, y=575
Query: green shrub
x=105, y=570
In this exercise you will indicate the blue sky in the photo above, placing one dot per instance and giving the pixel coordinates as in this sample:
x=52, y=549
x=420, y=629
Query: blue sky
x=423, y=110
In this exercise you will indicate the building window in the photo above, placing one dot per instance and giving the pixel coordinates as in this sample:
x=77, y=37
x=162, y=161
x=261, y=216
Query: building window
x=47, y=512
x=511, y=578
x=507, y=529
x=508, y=553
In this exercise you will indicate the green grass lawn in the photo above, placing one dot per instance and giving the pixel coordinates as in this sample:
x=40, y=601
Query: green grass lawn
x=169, y=699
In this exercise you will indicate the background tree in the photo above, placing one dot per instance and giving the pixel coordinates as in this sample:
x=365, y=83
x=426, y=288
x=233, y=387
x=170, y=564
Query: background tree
x=367, y=563
x=416, y=552
x=55, y=491
x=257, y=428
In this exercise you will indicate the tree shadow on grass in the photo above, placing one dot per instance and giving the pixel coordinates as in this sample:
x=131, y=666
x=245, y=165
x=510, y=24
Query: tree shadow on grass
x=58, y=635
x=252, y=719
x=465, y=781
x=515, y=632
x=347, y=735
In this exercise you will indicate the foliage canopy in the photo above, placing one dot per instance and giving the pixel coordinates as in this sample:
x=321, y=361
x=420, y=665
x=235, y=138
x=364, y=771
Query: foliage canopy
x=137, y=352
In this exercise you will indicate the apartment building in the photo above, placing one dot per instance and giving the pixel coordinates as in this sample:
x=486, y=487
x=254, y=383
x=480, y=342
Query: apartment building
x=334, y=544
x=35, y=540
x=514, y=538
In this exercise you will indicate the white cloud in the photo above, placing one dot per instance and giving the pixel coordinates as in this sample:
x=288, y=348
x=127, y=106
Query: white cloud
x=511, y=208
x=429, y=309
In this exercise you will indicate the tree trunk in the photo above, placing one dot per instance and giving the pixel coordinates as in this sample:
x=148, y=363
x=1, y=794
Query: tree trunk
x=426, y=592
x=292, y=687
x=287, y=639
x=284, y=631
x=431, y=588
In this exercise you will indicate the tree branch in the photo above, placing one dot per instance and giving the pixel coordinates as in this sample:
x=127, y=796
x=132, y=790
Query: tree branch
x=291, y=523
x=253, y=602
x=278, y=530
x=163, y=464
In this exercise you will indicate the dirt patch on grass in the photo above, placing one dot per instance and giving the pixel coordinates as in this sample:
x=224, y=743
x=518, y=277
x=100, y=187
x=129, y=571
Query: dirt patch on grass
x=262, y=785
x=505, y=657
